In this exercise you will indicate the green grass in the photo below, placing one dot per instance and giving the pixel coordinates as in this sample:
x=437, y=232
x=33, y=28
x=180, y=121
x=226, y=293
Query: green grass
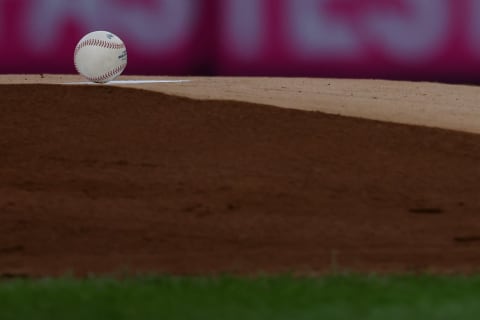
x=337, y=297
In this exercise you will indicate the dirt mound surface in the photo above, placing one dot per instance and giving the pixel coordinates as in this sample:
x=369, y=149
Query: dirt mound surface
x=102, y=179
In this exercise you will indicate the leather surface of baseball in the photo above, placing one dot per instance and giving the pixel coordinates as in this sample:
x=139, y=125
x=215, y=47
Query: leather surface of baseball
x=100, y=56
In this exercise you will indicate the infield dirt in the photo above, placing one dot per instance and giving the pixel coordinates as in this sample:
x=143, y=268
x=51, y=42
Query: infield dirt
x=103, y=179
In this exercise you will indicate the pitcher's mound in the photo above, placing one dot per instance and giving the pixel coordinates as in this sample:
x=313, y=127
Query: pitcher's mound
x=105, y=179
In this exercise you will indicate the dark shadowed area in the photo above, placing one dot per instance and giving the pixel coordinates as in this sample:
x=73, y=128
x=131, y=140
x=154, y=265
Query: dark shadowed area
x=103, y=180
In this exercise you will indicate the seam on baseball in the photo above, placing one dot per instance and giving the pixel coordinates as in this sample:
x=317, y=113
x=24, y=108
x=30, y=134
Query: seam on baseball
x=103, y=44
x=108, y=74
x=98, y=43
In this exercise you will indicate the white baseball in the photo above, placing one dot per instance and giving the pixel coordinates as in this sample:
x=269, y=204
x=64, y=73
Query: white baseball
x=100, y=56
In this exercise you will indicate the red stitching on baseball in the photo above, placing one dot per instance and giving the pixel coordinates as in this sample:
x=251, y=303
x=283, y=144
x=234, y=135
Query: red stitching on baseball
x=109, y=74
x=103, y=44
x=98, y=43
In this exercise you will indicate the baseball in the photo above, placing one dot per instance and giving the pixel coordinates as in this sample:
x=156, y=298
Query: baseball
x=100, y=56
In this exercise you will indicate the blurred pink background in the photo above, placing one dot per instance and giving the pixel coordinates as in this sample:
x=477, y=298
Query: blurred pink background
x=434, y=40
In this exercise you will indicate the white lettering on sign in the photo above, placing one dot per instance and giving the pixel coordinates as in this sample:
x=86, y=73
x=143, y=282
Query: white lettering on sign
x=244, y=27
x=410, y=35
x=413, y=34
x=314, y=33
x=160, y=25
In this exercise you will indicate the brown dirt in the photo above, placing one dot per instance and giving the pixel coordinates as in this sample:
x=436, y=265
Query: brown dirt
x=103, y=179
